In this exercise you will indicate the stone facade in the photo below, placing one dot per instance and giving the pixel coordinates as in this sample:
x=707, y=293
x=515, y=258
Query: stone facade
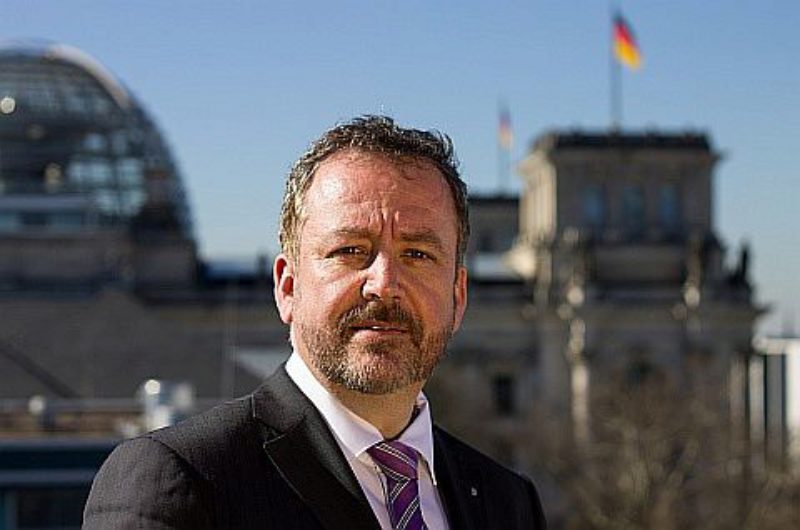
x=620, y=277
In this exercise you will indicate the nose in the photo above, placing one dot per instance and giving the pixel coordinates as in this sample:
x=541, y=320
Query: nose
x=382, y=279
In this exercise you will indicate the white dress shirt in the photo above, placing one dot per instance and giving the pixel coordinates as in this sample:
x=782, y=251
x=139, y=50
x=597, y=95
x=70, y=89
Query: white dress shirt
x=355, y=435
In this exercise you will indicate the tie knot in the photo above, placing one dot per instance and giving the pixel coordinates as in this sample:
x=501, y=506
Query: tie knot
x=397, y=460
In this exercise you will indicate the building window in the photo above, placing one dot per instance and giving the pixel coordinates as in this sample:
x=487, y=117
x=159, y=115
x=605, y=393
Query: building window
x=633, y=218
x=503, y=392
x=66, y=221
x=60, y=508
x=485, y=242
x=669, y=211
x=130, y=171
x=594, y=206
x=641, y=371
x=9, y=222
x=95, y=142
x=34, y=219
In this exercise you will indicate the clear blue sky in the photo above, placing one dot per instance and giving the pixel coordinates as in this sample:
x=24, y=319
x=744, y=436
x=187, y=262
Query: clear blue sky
x=240, y=88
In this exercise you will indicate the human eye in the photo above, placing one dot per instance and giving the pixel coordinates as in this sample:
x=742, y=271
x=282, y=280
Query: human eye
x=417, y=254
x=348, y=251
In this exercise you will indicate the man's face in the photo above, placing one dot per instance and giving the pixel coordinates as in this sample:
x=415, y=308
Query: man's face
x=375, y=292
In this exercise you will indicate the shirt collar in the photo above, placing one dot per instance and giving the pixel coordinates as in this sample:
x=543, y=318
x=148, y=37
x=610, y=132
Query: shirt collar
x=355, y=434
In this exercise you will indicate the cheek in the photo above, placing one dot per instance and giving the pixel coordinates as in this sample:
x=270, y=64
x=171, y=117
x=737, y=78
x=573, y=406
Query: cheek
x=326, y=300
x=437, y=303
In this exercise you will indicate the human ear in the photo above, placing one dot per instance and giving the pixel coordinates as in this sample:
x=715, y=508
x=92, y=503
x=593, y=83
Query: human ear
x=283, y=278
x=459, y=297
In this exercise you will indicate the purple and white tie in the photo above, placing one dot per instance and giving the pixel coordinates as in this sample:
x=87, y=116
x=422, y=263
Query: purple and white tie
x=399, y=465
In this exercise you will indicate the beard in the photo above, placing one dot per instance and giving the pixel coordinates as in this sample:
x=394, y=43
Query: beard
x=380, y=366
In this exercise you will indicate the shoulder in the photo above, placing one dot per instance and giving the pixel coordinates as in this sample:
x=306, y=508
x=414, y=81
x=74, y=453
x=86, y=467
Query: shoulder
x=145, y=484
x=194, y=439
x=212, y=436
x=515, y=496
x=166, y=478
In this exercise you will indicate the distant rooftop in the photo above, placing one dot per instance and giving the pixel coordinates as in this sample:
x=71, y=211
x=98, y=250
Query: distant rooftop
x=496, y=198
x=622, y=140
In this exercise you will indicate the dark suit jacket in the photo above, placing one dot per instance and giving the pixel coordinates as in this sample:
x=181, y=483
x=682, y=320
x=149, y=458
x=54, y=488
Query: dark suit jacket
x=269, y=461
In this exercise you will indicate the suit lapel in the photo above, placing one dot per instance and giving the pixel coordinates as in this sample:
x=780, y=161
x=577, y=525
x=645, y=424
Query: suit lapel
x=302, y=448
x=461, y=487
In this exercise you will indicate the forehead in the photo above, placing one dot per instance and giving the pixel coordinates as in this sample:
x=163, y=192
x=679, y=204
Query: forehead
x=350, y=182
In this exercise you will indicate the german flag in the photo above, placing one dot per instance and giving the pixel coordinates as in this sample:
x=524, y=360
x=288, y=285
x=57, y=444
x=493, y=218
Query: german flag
x=626, y=50
x=505, y=137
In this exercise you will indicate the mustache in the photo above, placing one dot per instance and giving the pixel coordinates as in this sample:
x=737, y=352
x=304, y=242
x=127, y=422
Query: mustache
x=378, y=310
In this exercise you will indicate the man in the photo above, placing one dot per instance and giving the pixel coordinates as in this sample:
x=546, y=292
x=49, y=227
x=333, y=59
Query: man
x=372, y=284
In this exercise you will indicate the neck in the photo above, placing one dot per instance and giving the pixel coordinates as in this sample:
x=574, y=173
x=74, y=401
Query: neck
x=389, y=413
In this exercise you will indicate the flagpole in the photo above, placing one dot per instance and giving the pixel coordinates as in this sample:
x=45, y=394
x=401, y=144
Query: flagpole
x=616, y=95
x=615, y=79
x=506, y=171
x=503, y=152
x=499, y=169
x=502, y=169
x=498, y=144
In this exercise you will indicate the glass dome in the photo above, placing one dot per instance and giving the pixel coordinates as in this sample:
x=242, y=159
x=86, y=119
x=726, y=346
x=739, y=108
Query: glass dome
x=77, y=151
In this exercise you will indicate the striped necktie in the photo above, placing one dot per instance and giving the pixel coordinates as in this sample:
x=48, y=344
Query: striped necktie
x=398, y=462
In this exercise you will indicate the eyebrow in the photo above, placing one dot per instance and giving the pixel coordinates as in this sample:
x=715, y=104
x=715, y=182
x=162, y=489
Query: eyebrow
x=358, y=233
x=427, y=237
